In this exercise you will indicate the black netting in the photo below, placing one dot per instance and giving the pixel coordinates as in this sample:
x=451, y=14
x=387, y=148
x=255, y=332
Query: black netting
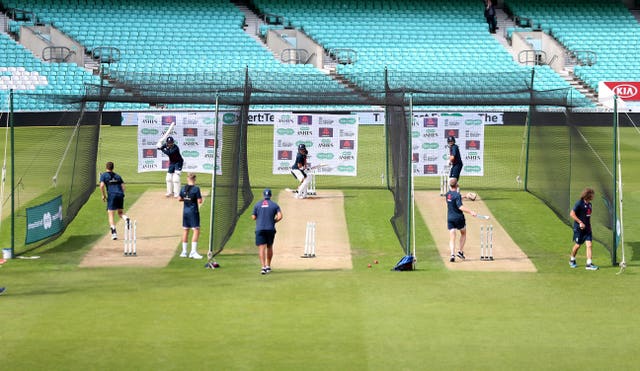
x=54, y=156
x=232, y=189
x=398, y=134
x=568, y=153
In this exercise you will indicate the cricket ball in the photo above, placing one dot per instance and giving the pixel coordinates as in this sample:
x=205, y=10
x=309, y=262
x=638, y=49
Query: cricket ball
x=375, y=262
x=368, y=265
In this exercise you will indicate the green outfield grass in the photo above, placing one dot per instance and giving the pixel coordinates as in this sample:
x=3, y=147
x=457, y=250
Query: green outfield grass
x=59, y=316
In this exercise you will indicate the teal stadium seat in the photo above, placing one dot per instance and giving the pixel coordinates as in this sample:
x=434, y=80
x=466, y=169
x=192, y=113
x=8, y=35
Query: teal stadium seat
x=425, y=45
x=606, y=28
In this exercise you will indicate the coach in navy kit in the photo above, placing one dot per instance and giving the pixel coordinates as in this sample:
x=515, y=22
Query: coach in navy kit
x=171, y=149
x=266, y=213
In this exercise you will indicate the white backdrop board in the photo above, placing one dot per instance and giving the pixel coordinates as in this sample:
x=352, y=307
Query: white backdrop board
x=429, y=133
x=330, y=139
x=194, y=133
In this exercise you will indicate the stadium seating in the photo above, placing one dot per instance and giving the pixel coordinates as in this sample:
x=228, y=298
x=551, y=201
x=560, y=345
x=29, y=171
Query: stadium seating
x=157, y=40
x=425, y=45
x=606, y=28
x=24, y=73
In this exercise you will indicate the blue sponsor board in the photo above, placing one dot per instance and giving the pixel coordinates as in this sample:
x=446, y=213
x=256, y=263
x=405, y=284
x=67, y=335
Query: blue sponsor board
x=44, y=220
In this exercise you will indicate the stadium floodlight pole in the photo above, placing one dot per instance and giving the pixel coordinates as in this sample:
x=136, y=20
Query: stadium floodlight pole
x=13, y=173
x=213, y=178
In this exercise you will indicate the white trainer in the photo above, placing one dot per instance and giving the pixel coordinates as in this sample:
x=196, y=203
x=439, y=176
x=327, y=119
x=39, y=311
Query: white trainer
x=183, y=254
x=195, y=255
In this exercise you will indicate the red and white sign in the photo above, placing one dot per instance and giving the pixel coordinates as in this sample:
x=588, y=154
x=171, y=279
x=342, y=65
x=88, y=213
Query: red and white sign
x=625, y=90
x=628, y=93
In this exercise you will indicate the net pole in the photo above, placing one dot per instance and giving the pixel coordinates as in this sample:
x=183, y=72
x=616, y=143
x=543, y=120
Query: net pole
x=4, y=165
x=619, y=222
x=528, y=131
x=213, y=180
x=412, y=223
x=409, y=173
x=13, y=175
x=615, y=149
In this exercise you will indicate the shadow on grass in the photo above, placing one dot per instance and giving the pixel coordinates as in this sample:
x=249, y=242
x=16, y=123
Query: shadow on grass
x=74, y=244
x=633, y=247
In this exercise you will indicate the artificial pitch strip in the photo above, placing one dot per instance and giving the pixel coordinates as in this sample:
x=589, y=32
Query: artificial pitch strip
x=159, y=231
x=332, y=249
x=508, y=257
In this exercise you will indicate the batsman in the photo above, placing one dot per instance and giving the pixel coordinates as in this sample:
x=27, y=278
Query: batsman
x=298, y=170
x=171, y=149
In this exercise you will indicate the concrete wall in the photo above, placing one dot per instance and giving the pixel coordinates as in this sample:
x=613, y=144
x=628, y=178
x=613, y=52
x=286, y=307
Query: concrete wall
x=278, y=43
x=60, y=39
x=37, y=38
x=548, y=45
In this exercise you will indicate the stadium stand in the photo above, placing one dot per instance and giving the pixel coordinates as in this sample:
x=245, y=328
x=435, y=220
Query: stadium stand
x=434, y=48
x=603, y=35
x=158, y=41
x=21, y=71
x=430, y=46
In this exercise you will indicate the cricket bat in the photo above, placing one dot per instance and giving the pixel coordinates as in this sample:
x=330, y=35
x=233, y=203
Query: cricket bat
x=166, y=134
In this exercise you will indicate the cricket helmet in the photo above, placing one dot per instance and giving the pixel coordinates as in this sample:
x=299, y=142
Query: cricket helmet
x=170, y=140
x=266, y=193
x=451, y=139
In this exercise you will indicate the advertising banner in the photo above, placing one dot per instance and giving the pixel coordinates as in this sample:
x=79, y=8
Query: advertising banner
x=430, y=153
x=194, y=133
x=44, y=220
x=331, y=140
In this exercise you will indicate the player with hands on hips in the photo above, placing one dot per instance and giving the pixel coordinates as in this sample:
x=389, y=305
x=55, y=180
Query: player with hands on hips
x=192, y=198
x=299, y=171
x=171, y=149
x=266, y=214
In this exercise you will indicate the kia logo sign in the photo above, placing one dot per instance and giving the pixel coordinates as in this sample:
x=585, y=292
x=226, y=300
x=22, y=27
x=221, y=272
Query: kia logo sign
x=625, y=90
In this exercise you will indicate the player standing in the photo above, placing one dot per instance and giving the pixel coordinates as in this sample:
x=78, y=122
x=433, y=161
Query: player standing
x=112, y=188
x=192, y=198
x=171, y=149
x=455, y=159
x=456, y=220
x=581, y=215
x=266, y=213
x=298, y=171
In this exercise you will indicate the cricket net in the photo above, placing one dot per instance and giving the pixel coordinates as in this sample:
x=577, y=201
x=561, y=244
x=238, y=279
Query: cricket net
x=51, y=171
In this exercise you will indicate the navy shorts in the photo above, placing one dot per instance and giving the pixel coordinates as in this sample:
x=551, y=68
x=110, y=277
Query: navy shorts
x=455, y=171
x=456, y=224
x=265, y=237
x=581, y=235
x=191, y=220
x=173, y=167
x=115, y=202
